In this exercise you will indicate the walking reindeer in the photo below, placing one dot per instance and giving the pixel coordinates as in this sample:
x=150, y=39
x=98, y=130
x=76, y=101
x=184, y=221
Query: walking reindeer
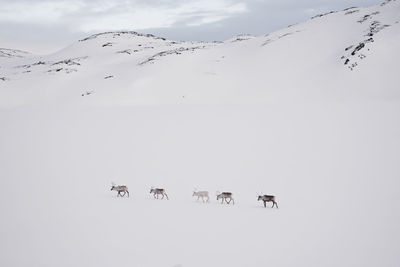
x=225, y=196
x=202, y=195
x=120, y=189
x=157, y=192
x=268, y=198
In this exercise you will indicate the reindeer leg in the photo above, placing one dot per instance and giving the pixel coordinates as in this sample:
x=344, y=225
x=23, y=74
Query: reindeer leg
x=166, y=196
x=128, y=193
x=265, y=204
x=275, y=204
x=198, y=197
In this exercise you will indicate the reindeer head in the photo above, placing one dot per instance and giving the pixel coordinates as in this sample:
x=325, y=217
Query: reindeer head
x=113, y=185
x=259, y=198
x=152, y=190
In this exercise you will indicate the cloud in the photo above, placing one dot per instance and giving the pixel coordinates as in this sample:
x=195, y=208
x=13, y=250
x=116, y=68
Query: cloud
x=99, y=15
x=37, y=12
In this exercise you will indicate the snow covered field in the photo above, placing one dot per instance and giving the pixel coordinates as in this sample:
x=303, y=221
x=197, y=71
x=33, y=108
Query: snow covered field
x=280, y=114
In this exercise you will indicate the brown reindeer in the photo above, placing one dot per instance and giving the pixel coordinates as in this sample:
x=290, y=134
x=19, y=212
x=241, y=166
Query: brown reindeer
x=225, y=196
x=157, y=192
x=268, y=198
x=120, y=189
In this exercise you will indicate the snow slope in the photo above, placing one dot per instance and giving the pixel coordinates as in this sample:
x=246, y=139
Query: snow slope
x=310, y=114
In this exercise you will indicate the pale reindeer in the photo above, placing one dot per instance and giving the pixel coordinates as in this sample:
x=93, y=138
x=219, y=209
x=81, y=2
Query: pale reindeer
x=157, y=192
x=268, y=198
x=201, y=194
x=225, y=196
x=120, y=189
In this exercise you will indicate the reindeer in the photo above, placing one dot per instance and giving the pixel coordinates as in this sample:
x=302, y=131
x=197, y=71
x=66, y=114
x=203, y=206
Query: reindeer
x=119, y=189
x=225, y=196
x=201, y=194
x=268, y=198
x=158, y=191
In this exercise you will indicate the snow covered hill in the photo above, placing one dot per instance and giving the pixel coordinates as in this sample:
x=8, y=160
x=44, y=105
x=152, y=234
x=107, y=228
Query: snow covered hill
x=309, y=113
x=354, y=48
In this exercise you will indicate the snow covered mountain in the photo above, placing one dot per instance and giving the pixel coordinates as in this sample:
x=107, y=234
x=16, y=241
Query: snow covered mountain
x=309, y=114
x=354, y=48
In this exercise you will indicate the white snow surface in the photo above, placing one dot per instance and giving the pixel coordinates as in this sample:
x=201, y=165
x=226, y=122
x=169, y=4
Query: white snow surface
x=278, y=114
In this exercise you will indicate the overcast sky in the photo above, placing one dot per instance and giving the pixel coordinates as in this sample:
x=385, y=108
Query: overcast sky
x=44, y=26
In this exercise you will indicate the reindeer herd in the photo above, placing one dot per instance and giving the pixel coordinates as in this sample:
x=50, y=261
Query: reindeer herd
x=226, y=197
